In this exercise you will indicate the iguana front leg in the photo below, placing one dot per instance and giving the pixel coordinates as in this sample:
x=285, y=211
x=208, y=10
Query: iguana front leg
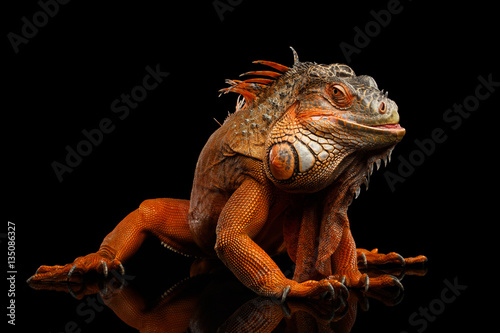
x=345, y=263
x=166, y=219
x=242, y=218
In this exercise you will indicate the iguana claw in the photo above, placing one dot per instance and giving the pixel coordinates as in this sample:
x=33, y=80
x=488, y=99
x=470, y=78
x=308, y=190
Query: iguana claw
x=344, y=289
x=397, y=283
x=104, y=268
x=285, y=294
x=81, y=266
x=331, y=290
x=122, y=269
x=367, y=282
x=71, y=292
x=363, y=260
x=68, y=277
x=402, y=259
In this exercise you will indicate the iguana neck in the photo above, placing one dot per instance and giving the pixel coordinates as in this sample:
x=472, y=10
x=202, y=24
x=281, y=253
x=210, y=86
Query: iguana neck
x=325, y=220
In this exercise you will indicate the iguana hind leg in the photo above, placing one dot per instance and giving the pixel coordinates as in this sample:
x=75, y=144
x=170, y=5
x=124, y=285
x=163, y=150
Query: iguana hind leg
x=166, y=219
x=374, y=258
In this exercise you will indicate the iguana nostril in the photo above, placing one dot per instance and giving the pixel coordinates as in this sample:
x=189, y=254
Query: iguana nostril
x=382, y=108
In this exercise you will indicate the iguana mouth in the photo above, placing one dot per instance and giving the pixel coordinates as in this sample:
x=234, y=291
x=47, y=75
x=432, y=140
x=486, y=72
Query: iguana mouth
x=393, y=129
x=388, y=126
x=384, y=129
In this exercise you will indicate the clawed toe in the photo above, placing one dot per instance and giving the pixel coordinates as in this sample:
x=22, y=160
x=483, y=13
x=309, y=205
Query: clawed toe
x=121, y=268
x=374, y=258
x=416, y=260
x=104, y=268
x=70, y=273
x=399, y=257
x=387, y=289
x=330, y=291
x=393, y=258
x=286, y=291
x=385, y=281
x=397, y=283
x=366, y=282
x=343, y=292
x=74, y=272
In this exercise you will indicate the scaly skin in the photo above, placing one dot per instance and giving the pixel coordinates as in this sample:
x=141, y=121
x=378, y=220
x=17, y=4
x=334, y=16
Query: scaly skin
x=277, y=176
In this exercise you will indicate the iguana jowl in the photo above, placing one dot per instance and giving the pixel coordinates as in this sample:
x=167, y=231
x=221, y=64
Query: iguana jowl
x=277, y=176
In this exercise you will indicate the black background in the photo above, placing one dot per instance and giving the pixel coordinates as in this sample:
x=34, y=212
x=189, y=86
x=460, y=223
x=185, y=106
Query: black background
x=64, y=79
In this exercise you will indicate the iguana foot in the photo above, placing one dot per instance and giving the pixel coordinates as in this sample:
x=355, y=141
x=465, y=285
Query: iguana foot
x=312, y=288
x=373, y=258
x=383, y=281
x=93, y=262
x=366, y=284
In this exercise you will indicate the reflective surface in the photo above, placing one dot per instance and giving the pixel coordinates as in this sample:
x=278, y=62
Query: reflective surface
x=438, y=196
x=218, y=302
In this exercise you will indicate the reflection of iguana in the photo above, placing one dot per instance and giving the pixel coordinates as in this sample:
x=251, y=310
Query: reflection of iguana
x=277, y=176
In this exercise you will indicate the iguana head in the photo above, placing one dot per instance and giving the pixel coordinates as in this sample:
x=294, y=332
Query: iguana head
x=321, y=119
x=314, y=127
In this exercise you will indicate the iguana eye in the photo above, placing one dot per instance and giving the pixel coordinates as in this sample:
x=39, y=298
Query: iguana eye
x=338, y=91
x=339, y=95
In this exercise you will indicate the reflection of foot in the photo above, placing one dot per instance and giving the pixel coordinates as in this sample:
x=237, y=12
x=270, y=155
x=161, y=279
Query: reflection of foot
x=385, y=281
x=86, y=285
x=237, y=309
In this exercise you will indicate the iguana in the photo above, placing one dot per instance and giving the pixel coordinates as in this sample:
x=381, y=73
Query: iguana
x=278, y=175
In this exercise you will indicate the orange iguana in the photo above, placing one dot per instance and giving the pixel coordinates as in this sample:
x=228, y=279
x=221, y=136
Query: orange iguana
x=277, y=176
